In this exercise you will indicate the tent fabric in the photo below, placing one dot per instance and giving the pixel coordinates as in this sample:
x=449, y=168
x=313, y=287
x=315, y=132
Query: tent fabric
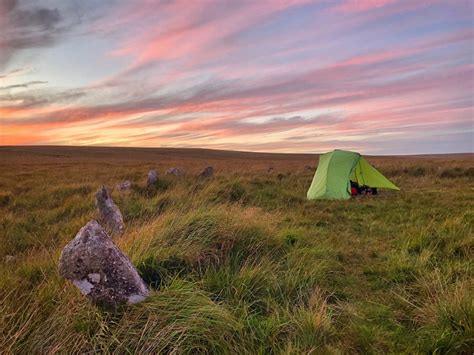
x=366, y=174
x=335, y=170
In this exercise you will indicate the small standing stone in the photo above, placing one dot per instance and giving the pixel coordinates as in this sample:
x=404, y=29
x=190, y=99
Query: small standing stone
x=100, y=269
x=174, y=171
x=308, y=168
x=125, y=185
x=207, y=172
x=270, y=169
x=108, y=211
x=152, y=177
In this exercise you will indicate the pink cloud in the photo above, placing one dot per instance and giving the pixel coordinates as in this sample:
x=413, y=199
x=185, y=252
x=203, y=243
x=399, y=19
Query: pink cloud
x=363, y=5
x=190, y=37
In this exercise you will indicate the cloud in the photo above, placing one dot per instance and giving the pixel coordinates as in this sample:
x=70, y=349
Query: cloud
x=26, y=26
x=42, y=19
x=29, y=24
x=339, y=85
x=15, y=72
x=362, y=5
x=22, y=85
x=226, y=127
x=190, y=33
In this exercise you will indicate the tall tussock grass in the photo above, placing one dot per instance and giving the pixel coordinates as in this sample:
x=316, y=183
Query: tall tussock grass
x=241, y=263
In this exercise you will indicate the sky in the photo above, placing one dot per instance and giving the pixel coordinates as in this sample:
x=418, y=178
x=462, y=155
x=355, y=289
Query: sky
x=375, y=76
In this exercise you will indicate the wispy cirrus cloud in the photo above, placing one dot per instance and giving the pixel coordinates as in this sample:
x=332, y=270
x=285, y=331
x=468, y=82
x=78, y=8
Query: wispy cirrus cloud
x=358, y=6
x=22, y=85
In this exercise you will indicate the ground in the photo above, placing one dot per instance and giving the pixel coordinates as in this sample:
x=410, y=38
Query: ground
x=241, y=262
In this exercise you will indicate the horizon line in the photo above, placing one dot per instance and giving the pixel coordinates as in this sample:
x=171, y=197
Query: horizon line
x=221, y=150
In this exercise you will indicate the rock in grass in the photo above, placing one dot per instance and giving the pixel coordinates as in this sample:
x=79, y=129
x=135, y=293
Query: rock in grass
x=174, y=171
x=100, y=270
x=125, y=185
x=308, y=168
x=110, y=214
x=270, y=169
x=207, y=172
x=152, y=177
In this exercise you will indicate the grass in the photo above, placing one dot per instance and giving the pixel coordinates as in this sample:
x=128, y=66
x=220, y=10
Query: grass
x=241, y=262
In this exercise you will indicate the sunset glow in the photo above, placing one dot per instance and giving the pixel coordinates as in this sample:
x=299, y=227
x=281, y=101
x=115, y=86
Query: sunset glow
x=379, y=77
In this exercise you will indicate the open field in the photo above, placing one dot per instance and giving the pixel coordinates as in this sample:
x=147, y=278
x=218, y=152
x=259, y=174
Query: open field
x=242, y=262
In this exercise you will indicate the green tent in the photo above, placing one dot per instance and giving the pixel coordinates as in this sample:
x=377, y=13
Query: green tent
x=335, y=171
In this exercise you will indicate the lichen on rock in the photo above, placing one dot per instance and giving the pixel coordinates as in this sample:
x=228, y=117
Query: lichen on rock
x=100, y=270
